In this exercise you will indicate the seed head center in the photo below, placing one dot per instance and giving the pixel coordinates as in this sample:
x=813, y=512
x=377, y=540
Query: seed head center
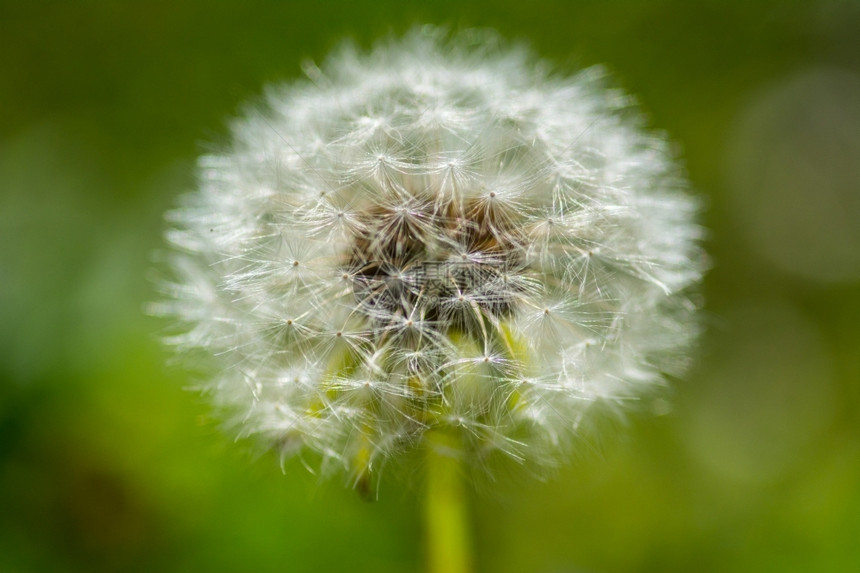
x=420, y=259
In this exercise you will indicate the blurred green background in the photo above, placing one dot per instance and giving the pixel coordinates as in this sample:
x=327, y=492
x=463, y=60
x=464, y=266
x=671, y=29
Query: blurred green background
x=108, y=464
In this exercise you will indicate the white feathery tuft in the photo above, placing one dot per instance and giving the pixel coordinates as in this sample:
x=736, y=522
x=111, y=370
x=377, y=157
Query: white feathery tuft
x=435, y=236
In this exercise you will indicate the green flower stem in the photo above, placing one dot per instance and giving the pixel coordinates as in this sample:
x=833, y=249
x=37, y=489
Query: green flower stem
x=445, y=508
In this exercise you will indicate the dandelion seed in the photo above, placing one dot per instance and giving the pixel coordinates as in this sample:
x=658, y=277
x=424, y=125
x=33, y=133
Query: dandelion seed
x=435, y=237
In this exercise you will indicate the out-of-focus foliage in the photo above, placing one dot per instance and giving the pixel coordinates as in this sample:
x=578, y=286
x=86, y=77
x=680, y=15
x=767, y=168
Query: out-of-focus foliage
x=106, y=463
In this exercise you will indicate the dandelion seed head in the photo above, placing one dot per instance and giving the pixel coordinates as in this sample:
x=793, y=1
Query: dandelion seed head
x=435, y=235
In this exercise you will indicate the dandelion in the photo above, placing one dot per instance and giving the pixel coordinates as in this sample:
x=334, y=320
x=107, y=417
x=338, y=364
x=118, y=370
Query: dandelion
x=439, y=245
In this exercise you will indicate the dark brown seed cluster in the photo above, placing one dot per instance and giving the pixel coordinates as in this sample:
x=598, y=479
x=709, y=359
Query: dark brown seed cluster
x=436, y=264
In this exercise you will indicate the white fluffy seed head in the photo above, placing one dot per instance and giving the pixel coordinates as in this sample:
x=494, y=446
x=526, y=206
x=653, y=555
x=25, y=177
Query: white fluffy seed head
x=438, y=236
